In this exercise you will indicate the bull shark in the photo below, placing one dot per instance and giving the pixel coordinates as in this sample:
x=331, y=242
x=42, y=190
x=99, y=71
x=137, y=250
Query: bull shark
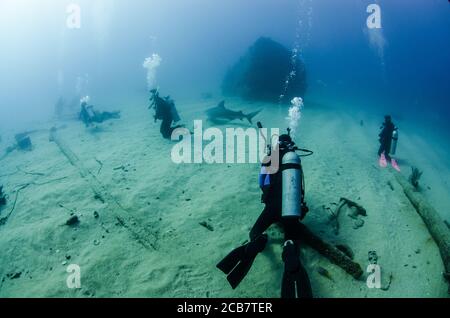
x=221, y=114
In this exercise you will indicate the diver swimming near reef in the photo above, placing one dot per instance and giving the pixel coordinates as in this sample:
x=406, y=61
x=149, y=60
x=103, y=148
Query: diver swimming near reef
x=89, y=116
x=283, y=193
x=164, y=110
x=388, y=138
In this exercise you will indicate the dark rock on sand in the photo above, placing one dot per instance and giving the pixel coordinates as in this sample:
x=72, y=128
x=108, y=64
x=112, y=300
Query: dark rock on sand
x=262, y=73
x=74, y=220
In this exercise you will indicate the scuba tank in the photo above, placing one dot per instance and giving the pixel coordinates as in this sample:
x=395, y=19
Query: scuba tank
x=394, y=141
x=292, y=179
x=292, y=187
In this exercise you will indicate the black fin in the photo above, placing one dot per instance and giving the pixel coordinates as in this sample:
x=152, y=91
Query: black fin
x=295, y=283
x=238, y=263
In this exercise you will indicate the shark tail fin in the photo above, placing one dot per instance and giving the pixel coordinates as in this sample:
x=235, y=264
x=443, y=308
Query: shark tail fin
x=251, y=115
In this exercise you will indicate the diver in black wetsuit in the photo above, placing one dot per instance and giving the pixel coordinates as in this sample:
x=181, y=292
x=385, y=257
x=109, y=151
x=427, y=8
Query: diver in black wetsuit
x=385, y=137
x=164, y=110
x=89, y=116
x=236, y=265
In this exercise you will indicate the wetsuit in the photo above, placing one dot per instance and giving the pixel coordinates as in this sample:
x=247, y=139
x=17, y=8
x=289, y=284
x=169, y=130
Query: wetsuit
x=271, y=186
x=386, y=139
x=165, y=111
x=88, y=115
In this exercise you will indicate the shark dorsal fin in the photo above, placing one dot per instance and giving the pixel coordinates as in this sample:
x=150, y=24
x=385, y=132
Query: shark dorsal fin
x=221, y=104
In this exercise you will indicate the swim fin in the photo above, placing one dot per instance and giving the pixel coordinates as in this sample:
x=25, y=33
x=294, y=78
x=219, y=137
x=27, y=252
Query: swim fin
x=295, y=283
x=395, y=165
x=239, y=261
x=383, y=161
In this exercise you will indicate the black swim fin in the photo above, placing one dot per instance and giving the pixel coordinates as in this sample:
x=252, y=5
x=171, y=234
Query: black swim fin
x=295, y=283
x=239, y=261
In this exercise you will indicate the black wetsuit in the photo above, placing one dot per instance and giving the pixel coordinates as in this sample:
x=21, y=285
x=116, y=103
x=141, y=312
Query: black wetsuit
x=164, y=112
x=386, y=139
x=89, y=116
x=271, y=197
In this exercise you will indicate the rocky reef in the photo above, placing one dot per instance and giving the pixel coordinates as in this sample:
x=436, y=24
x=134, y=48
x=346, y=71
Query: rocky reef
x=261, y=74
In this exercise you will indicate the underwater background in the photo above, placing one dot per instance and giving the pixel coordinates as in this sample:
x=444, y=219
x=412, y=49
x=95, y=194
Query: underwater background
x=403, y=69
x=147, y=227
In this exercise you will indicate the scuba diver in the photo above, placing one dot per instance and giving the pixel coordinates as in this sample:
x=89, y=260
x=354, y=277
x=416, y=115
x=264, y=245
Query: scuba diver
x=283, y=193
x=388, y=138
x=164, y=110
x=89, y=116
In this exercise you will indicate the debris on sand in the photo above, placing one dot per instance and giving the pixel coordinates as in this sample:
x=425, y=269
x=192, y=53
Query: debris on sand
x=73, y=221
x=414, y=177
x=14, y=275
x=2, y=197
x=373, y=257
x=388, y=285
x=356, y=211
x=207, y=226
x=322, y=271
x=344, y=248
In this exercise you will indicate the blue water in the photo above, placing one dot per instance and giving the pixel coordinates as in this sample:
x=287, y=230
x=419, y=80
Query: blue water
x=199, y=39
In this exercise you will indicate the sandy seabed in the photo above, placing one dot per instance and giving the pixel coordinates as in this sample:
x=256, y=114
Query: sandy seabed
x=143, y=238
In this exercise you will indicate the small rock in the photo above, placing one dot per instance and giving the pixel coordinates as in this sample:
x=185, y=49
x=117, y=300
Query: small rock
x=68, y=257
x=358, y=223
x=96, y=242
x=14, y=275
x=417, y=251
x=373, y=257
x=322, y=271
x=96, y=215
x=74, y=220
x=207, y=226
